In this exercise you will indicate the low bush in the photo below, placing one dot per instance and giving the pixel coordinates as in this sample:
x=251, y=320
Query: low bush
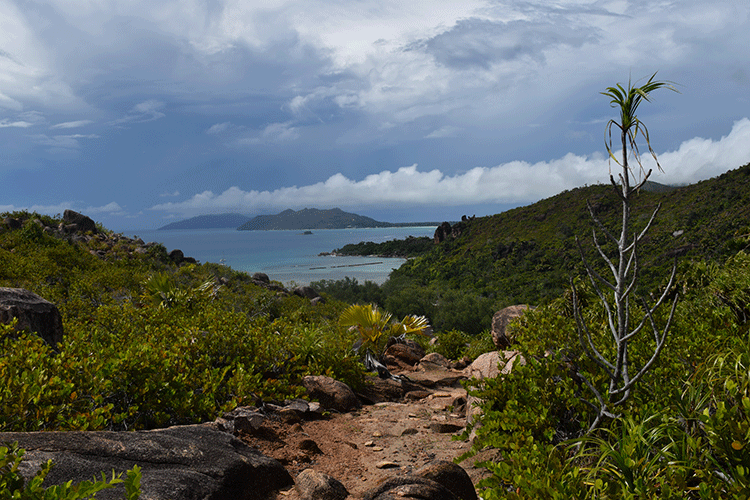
x=14, y=486
x=452, y=344
x=683, y=434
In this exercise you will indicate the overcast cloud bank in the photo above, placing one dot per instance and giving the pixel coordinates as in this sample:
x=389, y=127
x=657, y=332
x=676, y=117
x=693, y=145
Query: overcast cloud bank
x=516, y=182
x=258, y=106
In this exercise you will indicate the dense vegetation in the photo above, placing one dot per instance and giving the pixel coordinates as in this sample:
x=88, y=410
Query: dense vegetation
x=685, y=433
x=149, y=343
x=527, y=255
x=409, y=247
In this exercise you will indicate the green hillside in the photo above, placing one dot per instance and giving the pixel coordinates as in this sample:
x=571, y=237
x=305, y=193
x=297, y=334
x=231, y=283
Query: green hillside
x=151, y=340
x=214, y=221
x=528, y=254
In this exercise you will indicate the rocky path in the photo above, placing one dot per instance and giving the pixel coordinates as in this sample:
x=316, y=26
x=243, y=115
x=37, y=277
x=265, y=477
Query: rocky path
x=363, y=448
x=400, y=444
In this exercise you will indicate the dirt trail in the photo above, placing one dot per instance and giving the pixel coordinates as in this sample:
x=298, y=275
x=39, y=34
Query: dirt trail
x=362, y=448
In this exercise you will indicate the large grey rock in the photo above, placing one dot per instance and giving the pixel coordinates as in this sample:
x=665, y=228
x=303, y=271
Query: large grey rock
x=488, y=365
x=445, y=231
x=244, y=418
x=494, y=363
x=450, y=475
x=306, y=292
x=176, y=256
x=434, y=361
x=332, y=394
x=403, y=355
x=13, y=223
x=82, y=222
x=33, y=312
x=409, y=487
x=314, y=485
x=500, y=322
x=379, y=390
x=192, y=462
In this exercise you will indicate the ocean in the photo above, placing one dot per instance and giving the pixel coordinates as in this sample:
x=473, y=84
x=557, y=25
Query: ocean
x=290, y=257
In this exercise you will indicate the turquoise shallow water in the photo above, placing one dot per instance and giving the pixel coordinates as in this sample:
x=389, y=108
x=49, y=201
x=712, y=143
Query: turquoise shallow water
x=287, y=256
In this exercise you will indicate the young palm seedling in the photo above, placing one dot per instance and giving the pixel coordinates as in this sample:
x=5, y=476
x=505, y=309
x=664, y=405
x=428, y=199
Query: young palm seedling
x=615, y=293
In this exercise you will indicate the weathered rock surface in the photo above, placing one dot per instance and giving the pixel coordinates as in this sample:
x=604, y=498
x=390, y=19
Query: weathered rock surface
x=493, y=363
x=307, y=292
x=332, y=394
x=176, y=256
x=262, y=277
x=410, y=487
x=33, y=312
x=13, y=223
x=434, y=361
x=378, y=390
x=189, y=462
x=488, y=365
x=403, y=355
x=445, y=231
x=83, y=223
x=313, y=485
x=500, y=324
x=431, y=372
x=450, y=475
x=241, y=419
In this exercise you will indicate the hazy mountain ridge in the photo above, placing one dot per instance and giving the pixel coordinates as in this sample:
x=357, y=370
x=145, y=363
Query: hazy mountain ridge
x=313, y=218
x=310, y=218
x=215, y=221
x=307, y=218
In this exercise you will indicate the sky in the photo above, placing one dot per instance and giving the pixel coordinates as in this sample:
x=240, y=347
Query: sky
x=140, y=113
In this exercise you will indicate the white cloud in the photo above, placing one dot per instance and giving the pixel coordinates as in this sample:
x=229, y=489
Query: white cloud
x=73, y=124
x=513, y=182
x=62, y=141
x=700, y=158
x=273, y=133
x=218, y=128
x=23, y=120
x=146, y=111
x=5, y=123
x=442, y=132
x=279, y=132
x=9, y=103
x=507, y=183
x=111, y=208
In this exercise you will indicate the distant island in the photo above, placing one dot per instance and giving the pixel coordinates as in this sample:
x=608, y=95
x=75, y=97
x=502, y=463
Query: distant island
x=305, y=219
x=313, y=218
x=218, y=221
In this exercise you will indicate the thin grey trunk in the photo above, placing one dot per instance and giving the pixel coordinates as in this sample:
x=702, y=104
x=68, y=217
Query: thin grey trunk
x=625, y=276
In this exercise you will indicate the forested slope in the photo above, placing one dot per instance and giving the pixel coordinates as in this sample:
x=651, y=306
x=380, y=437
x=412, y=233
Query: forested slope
x=529, y=254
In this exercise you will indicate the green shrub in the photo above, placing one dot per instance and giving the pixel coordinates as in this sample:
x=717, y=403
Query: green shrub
x=526, y=415
x=684, y=434
x=14, y=486
x=349, y=290
x=479, y=344
x=451, y=344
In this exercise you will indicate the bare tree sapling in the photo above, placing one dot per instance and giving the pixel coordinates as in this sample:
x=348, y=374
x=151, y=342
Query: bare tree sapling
x=615, y=293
